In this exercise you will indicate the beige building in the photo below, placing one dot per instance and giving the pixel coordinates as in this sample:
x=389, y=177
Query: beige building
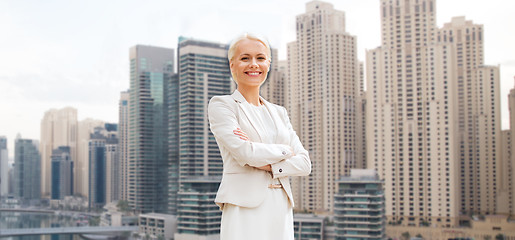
x=81, y=165
x=323, y=87
x=412, y=116
x=273, y=90
x=479, y=116
x=487, y=228
x=506, y=199
x=58, y=128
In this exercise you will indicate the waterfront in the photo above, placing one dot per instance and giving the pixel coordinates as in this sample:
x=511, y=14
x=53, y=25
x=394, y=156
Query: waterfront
x=11, y=220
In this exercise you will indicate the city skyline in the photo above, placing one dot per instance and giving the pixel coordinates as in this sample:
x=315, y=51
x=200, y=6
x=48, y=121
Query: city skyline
x=70, y=58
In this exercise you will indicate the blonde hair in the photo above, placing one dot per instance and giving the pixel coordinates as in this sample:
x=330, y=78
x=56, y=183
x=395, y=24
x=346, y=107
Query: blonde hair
x=234, y=43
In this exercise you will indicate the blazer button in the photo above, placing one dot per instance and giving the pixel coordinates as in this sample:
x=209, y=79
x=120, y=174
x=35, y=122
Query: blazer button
x=280, y=170
x=284, y=152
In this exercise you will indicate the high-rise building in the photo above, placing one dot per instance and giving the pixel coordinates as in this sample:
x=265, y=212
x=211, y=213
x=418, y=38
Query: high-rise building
x=323, y=89
x=85, y=128
x=4, y=167
x=412, y=116
x=505, y=187
x=479, y=116
x=113, y=167
x=359, y=206
x=361, y=122
x=506, y=199
x=62, y=173
x=123, y=144
x=173, y=143
x=103, y=166
x=203, y=73
x=97, y=169
x=150, y=71
x=27, y=169
x=273, y=89
x=58, y=128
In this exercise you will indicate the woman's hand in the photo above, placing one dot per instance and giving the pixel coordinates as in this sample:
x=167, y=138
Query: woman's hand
x=241, y=134
x=267, y=168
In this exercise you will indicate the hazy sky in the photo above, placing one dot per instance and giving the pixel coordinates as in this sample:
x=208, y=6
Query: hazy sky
x=59, y=53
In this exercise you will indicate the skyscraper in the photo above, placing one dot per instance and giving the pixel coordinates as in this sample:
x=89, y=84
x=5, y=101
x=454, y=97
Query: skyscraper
x=4, y=166
x=113, y=168
x=505, y=188
x=173, y=143
x=103, y=166
x=203, y=73
x=479, y=113
x=62, y=173
x=27, y=169
x=58, y=128
x=97, y=169
x=506, y=199
x=273, y=89
x=85, y=128
x=412, y=116
x=123, y=144
x=323, y=88
x=150, y=70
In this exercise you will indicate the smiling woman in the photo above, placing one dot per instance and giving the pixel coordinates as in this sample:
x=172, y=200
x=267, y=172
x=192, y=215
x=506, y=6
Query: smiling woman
x=249, y=62
x=259, y=149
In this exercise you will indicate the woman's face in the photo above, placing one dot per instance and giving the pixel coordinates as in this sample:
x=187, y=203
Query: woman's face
x=250, y=64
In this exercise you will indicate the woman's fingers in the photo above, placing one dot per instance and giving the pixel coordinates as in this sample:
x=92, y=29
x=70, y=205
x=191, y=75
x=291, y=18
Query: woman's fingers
x=241, y=134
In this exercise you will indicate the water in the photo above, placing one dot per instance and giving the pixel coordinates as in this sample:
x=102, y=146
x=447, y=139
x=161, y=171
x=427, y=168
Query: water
x=9, y=220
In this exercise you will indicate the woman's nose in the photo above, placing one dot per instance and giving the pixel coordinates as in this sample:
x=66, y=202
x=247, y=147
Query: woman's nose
x=253, y=62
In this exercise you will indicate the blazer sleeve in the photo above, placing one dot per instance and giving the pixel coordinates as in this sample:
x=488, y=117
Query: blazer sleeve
x=223, y=121
x=297, y=165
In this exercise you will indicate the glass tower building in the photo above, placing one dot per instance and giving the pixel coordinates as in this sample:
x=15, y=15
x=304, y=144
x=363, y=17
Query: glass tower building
x=203, y=73
x=27, y=169
x=62, y=173
x=147, y=168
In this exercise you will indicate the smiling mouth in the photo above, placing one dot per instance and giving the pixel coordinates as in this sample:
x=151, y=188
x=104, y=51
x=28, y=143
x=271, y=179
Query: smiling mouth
x=253, y=73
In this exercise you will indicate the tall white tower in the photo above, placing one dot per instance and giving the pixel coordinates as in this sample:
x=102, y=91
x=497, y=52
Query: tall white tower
x=412, y=116
x=323, y=87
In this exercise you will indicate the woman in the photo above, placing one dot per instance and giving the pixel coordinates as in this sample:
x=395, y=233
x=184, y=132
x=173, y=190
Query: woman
x=259, y=148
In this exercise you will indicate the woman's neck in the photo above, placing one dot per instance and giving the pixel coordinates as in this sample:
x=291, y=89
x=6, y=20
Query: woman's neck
x=251, y=95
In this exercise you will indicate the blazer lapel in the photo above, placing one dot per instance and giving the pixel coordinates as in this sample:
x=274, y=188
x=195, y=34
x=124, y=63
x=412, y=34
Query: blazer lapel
x=242, y=102
x=278, y=122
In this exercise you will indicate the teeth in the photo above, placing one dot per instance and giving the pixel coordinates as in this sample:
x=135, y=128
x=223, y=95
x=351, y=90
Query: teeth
x=254, y=73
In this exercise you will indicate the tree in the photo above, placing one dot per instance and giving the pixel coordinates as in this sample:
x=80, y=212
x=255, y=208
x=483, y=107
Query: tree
x=406, y=235
x=419, y=236
x=123, y=206
x=499, y=237
x=94, y=221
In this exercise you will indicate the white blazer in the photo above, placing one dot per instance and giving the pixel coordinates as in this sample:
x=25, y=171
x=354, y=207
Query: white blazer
x=242, y=184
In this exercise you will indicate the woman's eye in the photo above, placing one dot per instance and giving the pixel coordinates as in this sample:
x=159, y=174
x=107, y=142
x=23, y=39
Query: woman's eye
x=244, y=58
x=261, y=58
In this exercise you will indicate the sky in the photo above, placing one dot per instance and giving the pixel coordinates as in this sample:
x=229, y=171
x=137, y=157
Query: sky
x=59, y=53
